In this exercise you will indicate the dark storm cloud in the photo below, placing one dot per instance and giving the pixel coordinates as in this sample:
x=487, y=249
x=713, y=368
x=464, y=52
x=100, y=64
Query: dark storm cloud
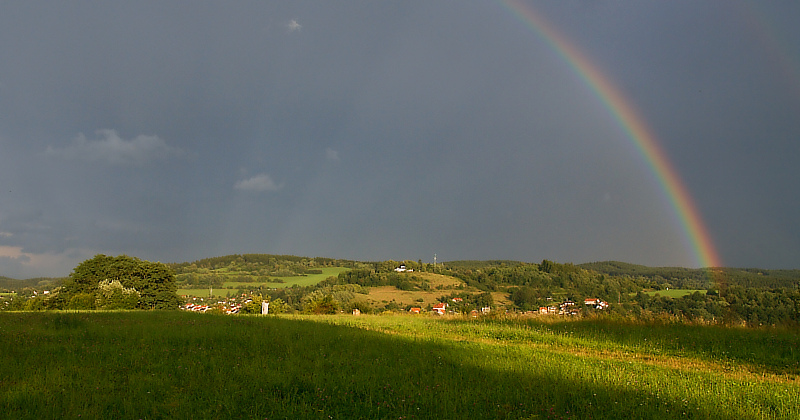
x=390, y=130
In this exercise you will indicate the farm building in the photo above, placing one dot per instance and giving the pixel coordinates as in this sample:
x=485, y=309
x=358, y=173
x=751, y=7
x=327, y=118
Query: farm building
x=439, y=308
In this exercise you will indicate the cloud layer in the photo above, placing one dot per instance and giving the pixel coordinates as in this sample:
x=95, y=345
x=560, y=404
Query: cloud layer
x=392, y=130
x=112, y=149
x=258, y=183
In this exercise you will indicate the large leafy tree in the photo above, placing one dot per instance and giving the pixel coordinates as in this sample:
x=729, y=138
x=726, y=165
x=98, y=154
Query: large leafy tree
x=153, y=281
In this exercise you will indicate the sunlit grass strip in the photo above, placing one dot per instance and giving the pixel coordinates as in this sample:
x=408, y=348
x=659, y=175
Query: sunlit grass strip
x=607, y=350
x=746, y=352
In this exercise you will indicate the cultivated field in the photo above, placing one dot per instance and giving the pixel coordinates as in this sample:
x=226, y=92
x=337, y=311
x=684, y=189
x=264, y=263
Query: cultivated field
x=185, y=365
x=379, y=296
x=439, y=285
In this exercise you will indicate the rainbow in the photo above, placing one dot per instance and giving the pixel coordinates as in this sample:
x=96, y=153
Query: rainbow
x=635, y=127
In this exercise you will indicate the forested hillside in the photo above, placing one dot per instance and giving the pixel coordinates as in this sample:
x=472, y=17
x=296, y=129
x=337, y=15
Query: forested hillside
x=693, y=278
x=724, y=295
x=260, y=262
x=39, y=282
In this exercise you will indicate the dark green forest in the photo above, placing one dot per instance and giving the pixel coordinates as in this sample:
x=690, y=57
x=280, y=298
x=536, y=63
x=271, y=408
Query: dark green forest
x=689, y=278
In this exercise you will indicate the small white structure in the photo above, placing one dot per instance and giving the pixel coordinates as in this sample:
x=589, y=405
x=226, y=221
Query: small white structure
x=596, y=303
x=439, y=308
x=264, y=308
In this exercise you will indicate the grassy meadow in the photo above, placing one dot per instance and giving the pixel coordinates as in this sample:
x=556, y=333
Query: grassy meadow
x=674, y=293
x=184, y=365
x=305, y=280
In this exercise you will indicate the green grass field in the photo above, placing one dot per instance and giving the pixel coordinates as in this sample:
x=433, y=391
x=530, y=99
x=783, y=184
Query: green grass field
x=674, y=293
x=306, y=280
x=185, y=365
x=201, y=292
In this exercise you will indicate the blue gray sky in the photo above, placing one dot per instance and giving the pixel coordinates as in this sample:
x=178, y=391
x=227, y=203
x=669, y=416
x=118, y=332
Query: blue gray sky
x=174, y=131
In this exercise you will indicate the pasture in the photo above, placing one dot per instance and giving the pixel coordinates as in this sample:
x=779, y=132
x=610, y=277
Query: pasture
x=306, y=280
x=674, y=293
x=187, y=365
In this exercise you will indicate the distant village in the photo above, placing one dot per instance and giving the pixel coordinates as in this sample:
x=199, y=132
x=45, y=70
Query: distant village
x=233, y=305
x=570, y=308
x=228, y=306
x=565, y=308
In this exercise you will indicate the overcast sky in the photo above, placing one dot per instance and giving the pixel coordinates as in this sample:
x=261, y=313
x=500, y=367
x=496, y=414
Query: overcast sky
x=175, y=131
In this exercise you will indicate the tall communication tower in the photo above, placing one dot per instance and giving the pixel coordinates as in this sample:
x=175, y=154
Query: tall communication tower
x=434, y=262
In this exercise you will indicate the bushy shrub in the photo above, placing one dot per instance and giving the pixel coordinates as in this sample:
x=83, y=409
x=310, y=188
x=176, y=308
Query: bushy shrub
x=112, y=295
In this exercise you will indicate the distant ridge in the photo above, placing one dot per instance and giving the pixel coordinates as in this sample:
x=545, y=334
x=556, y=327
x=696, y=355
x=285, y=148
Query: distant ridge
x=38, y=282
x=482, y=264
x=745, y=277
